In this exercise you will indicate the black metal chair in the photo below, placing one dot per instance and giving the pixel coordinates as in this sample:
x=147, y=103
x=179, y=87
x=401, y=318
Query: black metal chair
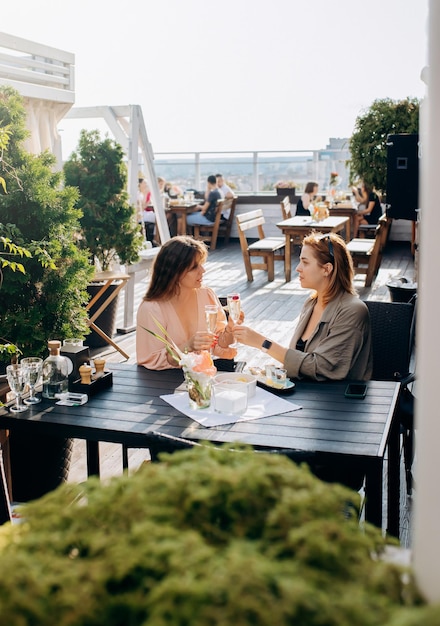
x=5, y=503
x=393, y=333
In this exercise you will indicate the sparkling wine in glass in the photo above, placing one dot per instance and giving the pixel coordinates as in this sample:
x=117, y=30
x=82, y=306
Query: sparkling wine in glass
x=211, y=311
x=234, y=307
x=34, y=367
x=17, y=380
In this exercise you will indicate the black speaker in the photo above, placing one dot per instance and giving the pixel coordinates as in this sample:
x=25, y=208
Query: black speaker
x=403, y=175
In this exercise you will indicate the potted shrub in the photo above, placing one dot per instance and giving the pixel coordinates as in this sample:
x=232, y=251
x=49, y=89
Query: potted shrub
x=43, y=294
x=205, y=537
x=109, y=229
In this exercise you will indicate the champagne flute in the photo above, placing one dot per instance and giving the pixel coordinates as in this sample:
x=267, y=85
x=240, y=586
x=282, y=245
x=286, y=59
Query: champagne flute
x=211, y=311
x=234, y=307
x=17, y=379
x=34, y=367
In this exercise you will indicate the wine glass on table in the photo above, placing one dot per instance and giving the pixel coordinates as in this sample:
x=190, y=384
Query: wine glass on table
x=34, y=367
x=17, y=380
x=234, y=307
x=211, y=311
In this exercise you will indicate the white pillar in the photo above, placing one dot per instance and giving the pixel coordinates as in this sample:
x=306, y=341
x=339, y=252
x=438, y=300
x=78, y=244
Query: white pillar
x=426, y=553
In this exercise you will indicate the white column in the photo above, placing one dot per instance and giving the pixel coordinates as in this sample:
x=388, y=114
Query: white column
x=426, y=553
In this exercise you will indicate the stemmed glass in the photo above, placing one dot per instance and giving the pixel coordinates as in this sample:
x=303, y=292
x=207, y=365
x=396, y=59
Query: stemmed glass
x=211, y=311
x=17, y=379
x=34, y=367
x=234, y=307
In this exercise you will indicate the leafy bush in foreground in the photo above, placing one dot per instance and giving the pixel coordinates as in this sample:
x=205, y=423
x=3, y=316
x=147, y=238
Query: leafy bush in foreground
x=207, y=537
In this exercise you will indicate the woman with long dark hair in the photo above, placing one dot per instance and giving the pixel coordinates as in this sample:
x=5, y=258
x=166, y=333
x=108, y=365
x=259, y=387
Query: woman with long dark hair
x=310, y=193
x=176, y=299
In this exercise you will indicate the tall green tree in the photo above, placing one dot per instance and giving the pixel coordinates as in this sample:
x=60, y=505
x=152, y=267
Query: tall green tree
x=368, y=143
x=39, y=213
x=109, y=225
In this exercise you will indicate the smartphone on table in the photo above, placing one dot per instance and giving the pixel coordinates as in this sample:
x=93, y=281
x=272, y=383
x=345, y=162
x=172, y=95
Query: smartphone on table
x=356, y=390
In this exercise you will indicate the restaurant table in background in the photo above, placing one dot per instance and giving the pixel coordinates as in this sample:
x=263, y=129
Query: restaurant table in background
x=301, y=225
x=328, y=424
x=181, y=211
x=344, y=209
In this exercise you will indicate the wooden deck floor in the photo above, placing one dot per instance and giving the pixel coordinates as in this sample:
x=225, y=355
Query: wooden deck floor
x=272, y=308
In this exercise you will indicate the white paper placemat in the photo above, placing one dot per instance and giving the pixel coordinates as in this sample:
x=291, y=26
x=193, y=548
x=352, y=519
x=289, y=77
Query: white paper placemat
x=263, y=404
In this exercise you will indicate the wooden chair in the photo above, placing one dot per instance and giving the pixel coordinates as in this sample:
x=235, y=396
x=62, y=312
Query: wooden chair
x=210, y=232
x=271, y=249
x=286, y=208
x=286, y=211
x=226, y=225
x=369, y=230
x=367, y=253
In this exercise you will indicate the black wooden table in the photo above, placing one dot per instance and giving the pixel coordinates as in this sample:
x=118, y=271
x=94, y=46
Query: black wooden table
x=327, y=424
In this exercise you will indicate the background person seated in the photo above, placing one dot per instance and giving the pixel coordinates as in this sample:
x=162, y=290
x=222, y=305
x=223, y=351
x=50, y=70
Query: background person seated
x=165, y=187
x=310, y=193
x=146, y=216
x=226, y=192
x=207, y=213
x=369, y=209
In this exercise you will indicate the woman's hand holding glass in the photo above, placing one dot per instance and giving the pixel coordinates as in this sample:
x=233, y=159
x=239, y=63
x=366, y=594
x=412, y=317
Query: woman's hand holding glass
x=202, y=340
x=234, y=307
x=211, y=312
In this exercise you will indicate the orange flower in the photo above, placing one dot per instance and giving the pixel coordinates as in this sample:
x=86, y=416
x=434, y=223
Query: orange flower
x=199, y=362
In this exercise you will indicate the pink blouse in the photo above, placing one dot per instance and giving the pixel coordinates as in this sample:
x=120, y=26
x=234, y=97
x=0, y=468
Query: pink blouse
x=150, y=352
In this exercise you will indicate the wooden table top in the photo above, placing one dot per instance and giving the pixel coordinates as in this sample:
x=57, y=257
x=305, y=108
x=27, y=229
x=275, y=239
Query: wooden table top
x=306, y=223
x=131, y=409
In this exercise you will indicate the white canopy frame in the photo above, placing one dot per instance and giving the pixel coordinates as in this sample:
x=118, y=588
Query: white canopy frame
x=128, y=128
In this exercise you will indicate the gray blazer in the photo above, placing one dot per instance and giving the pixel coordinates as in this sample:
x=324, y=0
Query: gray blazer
x=340, y=346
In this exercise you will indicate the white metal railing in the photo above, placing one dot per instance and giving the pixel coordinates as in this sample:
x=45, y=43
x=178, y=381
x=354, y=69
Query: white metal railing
x=255, y=172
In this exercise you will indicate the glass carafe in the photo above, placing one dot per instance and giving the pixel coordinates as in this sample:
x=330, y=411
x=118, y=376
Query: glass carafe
x=55, y=372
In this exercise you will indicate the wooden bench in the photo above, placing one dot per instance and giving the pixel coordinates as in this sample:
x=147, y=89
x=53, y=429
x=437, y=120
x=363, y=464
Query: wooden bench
x=367, y=253
x=271, y=249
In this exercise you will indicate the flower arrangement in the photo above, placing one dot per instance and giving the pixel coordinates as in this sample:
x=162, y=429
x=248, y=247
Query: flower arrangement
x=198, y=367
x=335, y=179
x=319, y=212
x=285, y=184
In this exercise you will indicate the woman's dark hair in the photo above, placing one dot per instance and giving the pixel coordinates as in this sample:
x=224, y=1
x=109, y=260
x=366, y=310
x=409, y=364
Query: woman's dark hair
x=176, y=257
x=331, y=248
x=310, y=187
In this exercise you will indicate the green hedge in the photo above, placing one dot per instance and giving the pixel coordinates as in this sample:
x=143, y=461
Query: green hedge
x=206, y=537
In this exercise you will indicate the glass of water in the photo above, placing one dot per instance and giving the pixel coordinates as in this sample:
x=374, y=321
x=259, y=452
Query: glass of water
x=34, y=367
x=17, y=380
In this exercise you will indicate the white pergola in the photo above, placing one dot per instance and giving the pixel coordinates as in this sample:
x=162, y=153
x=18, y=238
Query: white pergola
x=44, y=76
x=127, y=126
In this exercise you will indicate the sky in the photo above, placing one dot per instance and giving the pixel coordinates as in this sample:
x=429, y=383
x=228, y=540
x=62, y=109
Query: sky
x=233, y=75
